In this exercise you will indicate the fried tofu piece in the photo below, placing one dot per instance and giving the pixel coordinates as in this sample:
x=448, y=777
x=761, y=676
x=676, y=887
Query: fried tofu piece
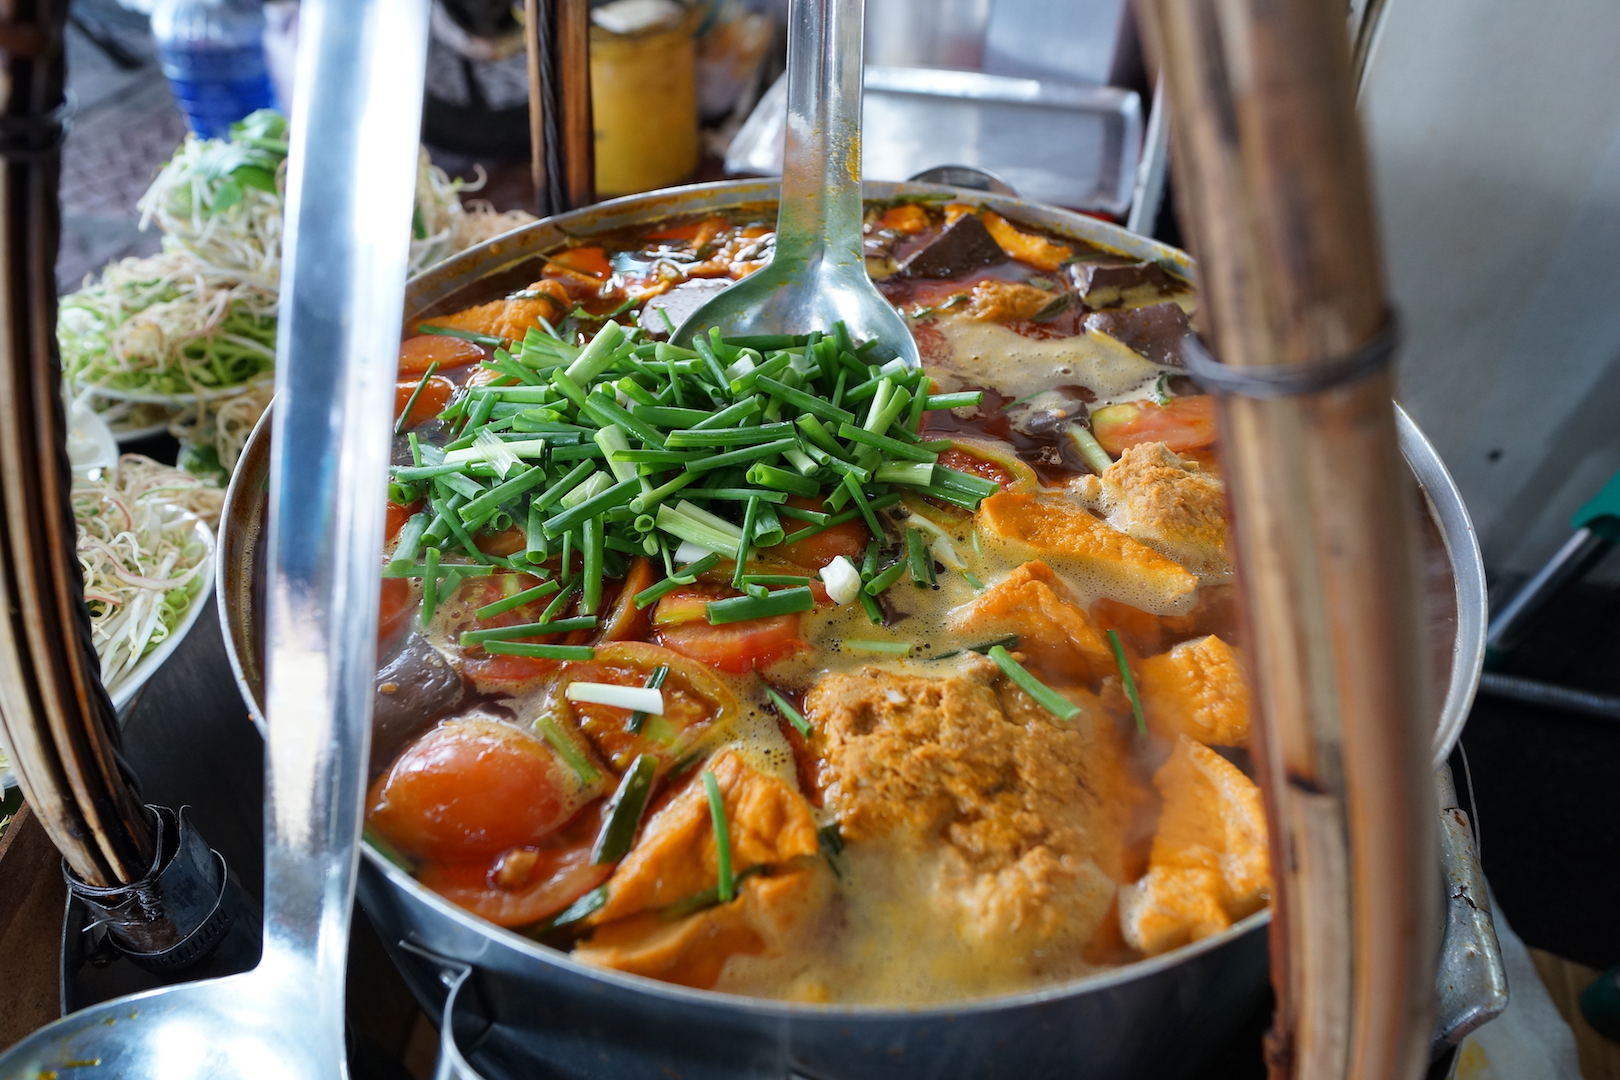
x=1197, y=689
x=1170, y=504
x=769, y=823
x=1056, y=530
x=1208, y=856
x=693, y=950
x=1018, y=820
x=1028, y=248
x=510, y=319
x=999, y=301
x=1053, y=630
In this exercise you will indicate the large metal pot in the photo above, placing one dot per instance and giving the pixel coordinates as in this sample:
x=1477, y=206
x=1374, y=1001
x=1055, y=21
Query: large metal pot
x=533, y=1011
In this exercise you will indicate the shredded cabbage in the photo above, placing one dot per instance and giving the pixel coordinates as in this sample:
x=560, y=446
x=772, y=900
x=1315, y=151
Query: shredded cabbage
x=141, y=557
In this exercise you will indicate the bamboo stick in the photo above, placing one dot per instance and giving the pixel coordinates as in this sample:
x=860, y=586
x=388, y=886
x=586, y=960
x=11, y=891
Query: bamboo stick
x=573, y=45
x=1273, y=183
x=533, y=12
x=57, y=717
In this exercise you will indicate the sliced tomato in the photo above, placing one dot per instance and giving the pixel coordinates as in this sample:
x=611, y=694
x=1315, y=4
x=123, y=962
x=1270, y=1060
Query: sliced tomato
x=398, y=604
x=1184, y=423
x=734, y=647
x=417, y=354
x=523, y=886
x=497, y=674
x=815, y=552
x=506, y=542
x=470, y=788
x=625, y=621
x=429, y=403
x=962, y=461
x=693, y=698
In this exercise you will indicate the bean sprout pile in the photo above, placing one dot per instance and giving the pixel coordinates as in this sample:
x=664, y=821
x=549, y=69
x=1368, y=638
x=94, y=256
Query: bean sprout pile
x=195, y=326
x=142, y=559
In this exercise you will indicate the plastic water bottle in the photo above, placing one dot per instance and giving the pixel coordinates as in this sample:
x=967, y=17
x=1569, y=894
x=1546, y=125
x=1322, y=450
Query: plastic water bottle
x=213, y=56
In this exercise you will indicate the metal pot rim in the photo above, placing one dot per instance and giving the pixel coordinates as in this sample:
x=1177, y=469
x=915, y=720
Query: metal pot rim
x=511, y=249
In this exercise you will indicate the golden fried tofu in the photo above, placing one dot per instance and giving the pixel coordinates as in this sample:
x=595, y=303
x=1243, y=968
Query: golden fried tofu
x=1018, y=819
x=1171, y=505
x=1197, y=689
x=998, y=301
x=1057, y=530
x=1053, y=630
x=693, y=950
x=1209, y=853
x=510, y=319
x=769, y=823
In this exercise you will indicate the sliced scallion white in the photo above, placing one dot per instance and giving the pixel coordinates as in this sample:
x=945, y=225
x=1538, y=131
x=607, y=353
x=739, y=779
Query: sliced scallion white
x=843, y=581
x=635, y=698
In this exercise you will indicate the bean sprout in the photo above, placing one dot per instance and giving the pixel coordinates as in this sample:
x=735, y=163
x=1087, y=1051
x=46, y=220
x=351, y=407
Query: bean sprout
x=141, y=557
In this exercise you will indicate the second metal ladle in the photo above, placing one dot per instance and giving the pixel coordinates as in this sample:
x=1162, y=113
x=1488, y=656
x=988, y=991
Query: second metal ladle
x=817, y=276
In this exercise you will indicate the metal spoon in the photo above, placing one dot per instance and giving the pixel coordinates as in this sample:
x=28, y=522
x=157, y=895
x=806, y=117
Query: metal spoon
x=351, y=183
x=818, y=274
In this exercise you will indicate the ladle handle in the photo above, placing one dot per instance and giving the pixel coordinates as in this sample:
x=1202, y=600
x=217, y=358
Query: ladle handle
x=350, y=190
x=820, y=215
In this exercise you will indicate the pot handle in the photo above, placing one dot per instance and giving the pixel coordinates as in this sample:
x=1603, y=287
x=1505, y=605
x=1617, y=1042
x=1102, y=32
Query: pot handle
x=452, y=1064
x=1471, y=984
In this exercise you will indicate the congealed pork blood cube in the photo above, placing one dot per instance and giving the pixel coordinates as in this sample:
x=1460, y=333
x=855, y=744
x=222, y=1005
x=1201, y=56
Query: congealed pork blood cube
x=413, y=688
x=964, y=245
x=1155, y=331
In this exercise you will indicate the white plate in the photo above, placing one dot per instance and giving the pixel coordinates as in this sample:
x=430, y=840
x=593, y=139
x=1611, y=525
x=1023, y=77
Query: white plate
x=123, y=693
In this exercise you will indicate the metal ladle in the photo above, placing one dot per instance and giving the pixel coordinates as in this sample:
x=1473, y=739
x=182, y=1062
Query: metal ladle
x=351, y=181
x=817, y=276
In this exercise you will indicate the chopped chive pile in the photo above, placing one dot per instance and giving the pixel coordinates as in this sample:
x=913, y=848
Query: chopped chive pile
x=618, y=446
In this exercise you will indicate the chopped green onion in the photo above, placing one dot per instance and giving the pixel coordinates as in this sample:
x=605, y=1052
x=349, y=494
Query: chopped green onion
x=430, y=586
x=1090, y=449
x=632, y=698
x=972, y=579
x=888, y=577
x=507, y=633
x=878, y=648
x=960, y=400
x=517, y=600
x=656, y=592
x=540, y=652
x=789, y=713
x=1010, y=642
x=410, y=403
x=655, y=681
x=589, y=904
x=1128, y=679
x=919, y=560
x=744, y=608
x=722, y=837
x=489, y=341
x=624, y=811
x=567, y=750
x=1049, y=699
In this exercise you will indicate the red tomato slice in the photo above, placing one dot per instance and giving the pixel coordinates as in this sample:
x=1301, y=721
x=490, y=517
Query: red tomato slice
x=972, y=464
x=586, y=260
x=693, y=696
x=470, y=789
x=429, y=403
x=398, y=515
x=625, y=621
x=815, y=552
x=524, y=886
x=736, y=647
x=417, y=354
x=1185, y=423
x=398, y=605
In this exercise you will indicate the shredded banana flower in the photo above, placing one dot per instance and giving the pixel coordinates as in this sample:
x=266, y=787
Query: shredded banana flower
x=142, y=559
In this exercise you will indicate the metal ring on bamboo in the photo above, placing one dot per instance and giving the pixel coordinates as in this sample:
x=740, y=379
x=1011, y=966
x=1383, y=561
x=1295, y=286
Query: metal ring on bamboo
x=1289, y=380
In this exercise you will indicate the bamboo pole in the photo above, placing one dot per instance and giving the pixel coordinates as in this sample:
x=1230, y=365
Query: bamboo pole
x=1273, y=183
x=58, y=720
x=573, y=43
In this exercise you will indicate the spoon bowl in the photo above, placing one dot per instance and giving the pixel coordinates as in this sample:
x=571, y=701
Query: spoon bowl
x=817, y=274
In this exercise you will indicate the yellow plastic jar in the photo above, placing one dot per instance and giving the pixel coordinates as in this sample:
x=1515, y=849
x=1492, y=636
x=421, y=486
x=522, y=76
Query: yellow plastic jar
x=644, y=100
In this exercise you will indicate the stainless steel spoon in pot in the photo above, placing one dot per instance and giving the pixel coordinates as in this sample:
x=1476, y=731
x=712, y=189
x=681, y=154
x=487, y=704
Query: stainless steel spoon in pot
x=818, y=274
x=351, y=185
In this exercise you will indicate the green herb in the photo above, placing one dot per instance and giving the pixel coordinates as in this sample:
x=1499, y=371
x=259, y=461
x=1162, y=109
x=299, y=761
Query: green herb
x=589, y=904
x=707, y=898
x=789, y=713
x=919, y=559
x=688, y=574
x=973, y=579
x=624, y=810
x=506, y=633
x=1049, y=699
x=878, y=648
x=1009, y=642
x=888, y=577
x=486, y=340
x=517, y=600
x=1128, y=679
x=726, y=888
x=404, y=417
x=540, y=652
x=655, y=681
x=744, y=608
x=1090, y=449
x=570, y=753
